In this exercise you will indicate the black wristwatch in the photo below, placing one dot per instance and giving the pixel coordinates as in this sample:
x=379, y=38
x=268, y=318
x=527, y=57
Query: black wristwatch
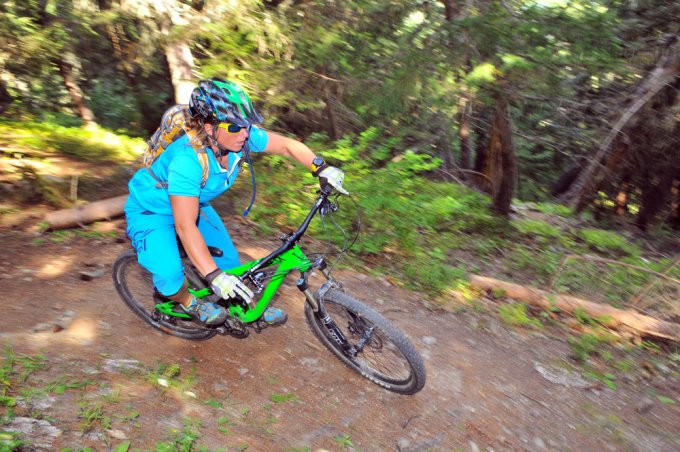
x=318, y=165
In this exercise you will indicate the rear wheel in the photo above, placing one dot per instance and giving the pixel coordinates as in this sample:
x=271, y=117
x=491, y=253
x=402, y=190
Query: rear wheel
x=135, y=286
x=387, y=359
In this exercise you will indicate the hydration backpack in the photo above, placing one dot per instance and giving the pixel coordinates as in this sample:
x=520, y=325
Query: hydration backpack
x=173, y=126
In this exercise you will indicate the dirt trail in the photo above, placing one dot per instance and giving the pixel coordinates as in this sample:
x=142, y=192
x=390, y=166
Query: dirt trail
x=489, y=387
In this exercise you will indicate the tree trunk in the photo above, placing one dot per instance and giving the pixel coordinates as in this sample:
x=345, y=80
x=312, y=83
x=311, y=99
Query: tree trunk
x=181, y=63
x=464, y=133
x=77, y=97
x=5, y=96
x=654, y=197
x=481, y=142
x=622, y=199
x=501, y=167
x=606, y=177
x=442, y=132
x=667, y=68
x=607, y=315
x=331, y=123
x=448, y=10
x=675, y=205
x=98, y=210
x=562, y=184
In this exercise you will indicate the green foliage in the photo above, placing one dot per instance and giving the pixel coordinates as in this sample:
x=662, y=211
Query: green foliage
x=285, y=397
x=11, y=441
x=537, y=228
x=666, y=400
x=589, y=344
x=607, y=241
x=18, y=366
x=608, y=379
x=83, y=143
x=114, y=105
x=516, y=314
x=92, y=414
x=183, y=440
x=553, y=209
x=539, y=263
x=344, y=441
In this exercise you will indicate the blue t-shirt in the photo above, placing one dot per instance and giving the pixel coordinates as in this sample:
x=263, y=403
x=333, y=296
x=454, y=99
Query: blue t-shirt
x=179, y=166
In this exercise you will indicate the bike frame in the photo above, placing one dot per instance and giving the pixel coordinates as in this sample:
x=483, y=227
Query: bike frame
x=287, y=257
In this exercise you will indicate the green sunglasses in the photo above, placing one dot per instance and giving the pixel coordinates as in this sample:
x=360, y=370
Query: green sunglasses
x=230, y=128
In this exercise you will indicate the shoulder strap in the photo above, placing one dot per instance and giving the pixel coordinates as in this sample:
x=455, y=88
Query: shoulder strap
x=176, y=118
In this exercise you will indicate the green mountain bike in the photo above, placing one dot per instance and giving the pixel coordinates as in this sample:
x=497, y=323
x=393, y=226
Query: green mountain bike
x=359, y=336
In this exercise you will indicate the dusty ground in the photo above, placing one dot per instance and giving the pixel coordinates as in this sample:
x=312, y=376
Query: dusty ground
x=490, y=387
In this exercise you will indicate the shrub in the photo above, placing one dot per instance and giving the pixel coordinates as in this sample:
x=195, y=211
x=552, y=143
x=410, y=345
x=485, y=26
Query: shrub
x=516, y=314
x=537, y=228
x=607, y=241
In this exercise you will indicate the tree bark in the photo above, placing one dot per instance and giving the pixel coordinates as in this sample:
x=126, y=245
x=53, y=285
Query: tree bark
x=181, y=63
x=605, y=314
x=675, y=205
x=331, y=123
x=654, y=197
x=465, y=107
x=448, y=9
x=77, y=97
x=501, y=165
x=667, y=68
x=562, y=184
x=481, y=144
x=5, y=96
x=98, y=210
x=622, y=199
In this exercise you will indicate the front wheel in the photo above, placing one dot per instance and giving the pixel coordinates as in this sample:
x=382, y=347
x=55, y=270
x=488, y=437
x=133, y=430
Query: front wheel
x=387, y=357
x=135, y=286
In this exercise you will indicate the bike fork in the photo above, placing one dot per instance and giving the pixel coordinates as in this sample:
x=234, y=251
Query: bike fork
x=320, y=311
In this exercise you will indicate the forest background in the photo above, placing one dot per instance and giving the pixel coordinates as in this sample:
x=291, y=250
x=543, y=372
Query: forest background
x=478, y=136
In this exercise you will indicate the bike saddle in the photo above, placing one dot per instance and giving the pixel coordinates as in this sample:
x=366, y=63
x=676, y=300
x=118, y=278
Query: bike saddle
x=214, y=251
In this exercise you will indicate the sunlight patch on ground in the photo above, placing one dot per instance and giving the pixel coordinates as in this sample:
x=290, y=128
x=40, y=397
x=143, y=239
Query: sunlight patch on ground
x=54, y=268
x=82, y=330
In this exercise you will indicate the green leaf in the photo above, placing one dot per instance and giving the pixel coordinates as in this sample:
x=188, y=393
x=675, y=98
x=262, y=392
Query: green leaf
x=214, y=403
x=8, y=401
x=666, y=400
x=122, y=447
x=482, y=73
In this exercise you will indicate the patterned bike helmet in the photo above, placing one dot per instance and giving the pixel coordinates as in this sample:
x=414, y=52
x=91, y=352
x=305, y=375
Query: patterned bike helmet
x=218, y=100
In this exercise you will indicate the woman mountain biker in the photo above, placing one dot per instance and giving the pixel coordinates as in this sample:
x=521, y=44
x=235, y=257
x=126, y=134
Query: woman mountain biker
x=171, y=198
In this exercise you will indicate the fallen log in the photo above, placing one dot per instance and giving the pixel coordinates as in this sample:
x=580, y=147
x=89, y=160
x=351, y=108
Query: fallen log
x=98, y=210
x=606, y=315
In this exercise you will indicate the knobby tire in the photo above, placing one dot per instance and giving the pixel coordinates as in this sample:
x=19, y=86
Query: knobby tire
x=388, y=360
x=135, y=286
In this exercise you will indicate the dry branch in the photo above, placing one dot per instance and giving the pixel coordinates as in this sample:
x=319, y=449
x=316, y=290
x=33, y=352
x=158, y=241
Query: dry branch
x=98, y=210
x=605, y=314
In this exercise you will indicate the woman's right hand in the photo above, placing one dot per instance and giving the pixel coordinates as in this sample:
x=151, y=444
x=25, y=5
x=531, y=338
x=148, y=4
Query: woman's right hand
x=229, y=286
